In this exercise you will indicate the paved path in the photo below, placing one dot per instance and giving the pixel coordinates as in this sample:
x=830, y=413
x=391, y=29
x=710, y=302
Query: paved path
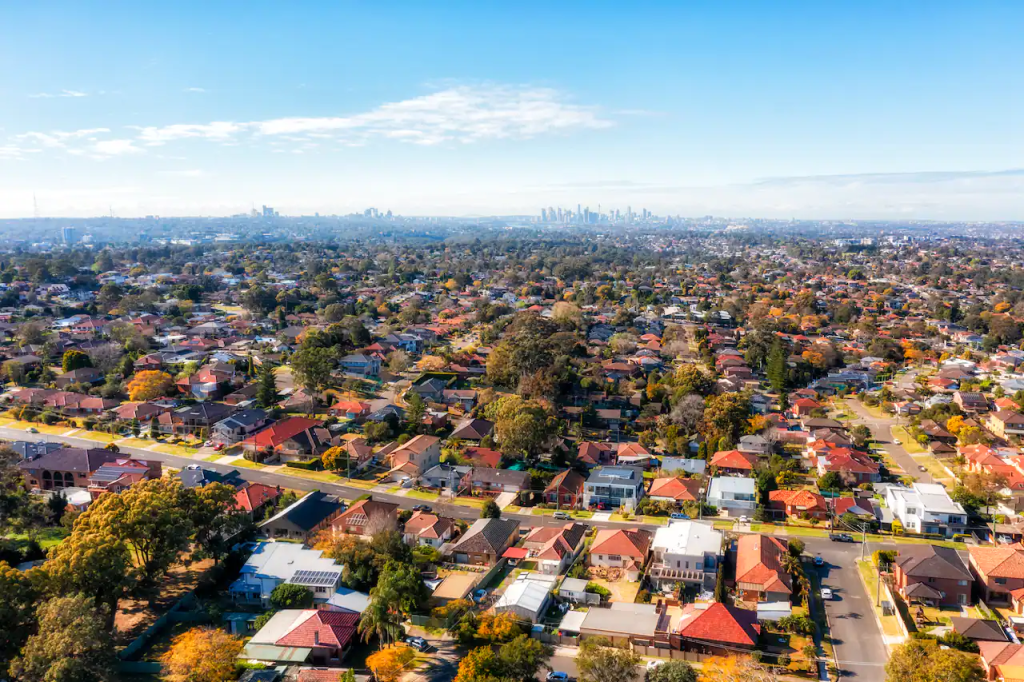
x=881, y=432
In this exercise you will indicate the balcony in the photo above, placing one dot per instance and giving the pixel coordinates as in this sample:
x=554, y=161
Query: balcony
x=662, y=572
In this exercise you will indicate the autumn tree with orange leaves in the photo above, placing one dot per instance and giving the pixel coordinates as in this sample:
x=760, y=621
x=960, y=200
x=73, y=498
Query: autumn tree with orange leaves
x=389, y=664
x=148, y=385
x=202, y=654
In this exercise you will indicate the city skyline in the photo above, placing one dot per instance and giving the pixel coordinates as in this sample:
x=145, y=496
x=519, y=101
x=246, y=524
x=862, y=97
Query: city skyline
x=808, y=112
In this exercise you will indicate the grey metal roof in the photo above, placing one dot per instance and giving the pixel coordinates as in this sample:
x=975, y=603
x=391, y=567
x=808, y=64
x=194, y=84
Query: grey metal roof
x=315, y=578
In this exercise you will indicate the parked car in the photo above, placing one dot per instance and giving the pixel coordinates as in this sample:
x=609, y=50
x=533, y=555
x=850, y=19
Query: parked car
x=897, y=441
x=826, y=594
x=562, y=515
x=679, y=515
x=417, y=643
x=818, y=561
x=840, y=537
x=557, y=676
x=422, y=508
x=33, y=429
x=744, y=519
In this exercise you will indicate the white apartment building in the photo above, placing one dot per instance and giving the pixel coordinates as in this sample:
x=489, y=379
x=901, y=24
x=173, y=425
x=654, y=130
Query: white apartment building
x=926, y=508
x=686, y=552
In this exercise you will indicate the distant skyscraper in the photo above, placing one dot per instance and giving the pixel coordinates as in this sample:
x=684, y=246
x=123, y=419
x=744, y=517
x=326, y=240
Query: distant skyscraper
x=268, y=211
x=579, y=214
x=69, y=234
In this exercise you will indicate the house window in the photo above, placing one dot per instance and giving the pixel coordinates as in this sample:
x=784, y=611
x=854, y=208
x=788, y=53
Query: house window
x=614, y=557
x=961, y=599
x=962, y=583
x=1000, y=581
x=931, y=580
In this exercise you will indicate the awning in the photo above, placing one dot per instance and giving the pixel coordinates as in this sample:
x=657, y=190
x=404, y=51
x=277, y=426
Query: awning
x=515, y=553
x=279, y=654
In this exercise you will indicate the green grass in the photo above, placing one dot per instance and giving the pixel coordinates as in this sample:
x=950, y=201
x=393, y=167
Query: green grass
x=909, y=444
x=325, y=476
x=97, y=436
x=723, y=524
x=174, y=449
x=213, y=458
x=470, y=502
x=47, y=537
x=818, y=615
x=246, y=464
x=420, y=495
x=137, y=443
x=933, y=467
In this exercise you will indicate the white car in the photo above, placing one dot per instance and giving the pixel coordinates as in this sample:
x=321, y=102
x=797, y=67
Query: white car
x=651, y=665
x=897, y=441
x=744, y=519
x=826, y=594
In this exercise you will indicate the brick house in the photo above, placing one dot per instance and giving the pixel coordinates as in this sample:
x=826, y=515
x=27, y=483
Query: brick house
x=999, y=572
x=366, y=514
x=565, y=489
x=797, y=504
x=933, y=575
x=759, y=572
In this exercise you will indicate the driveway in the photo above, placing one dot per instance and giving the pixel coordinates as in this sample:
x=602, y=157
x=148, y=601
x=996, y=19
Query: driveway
x=880, y=428
x=856, y=636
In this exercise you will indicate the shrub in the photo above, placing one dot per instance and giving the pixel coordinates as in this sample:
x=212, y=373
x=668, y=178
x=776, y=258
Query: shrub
x=312, y=465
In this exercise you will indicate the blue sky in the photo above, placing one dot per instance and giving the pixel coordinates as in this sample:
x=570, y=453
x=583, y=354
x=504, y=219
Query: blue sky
x=837, y=110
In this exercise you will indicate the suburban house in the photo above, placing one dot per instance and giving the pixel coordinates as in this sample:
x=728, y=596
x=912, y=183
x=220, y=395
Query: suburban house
x=623, y=623
x=932, y=575
x=733, y=462
x=294, y=439
x=64, y=467
x=555, y=548
x=999, y=572
x=1005, y=423
x=274, y=563
x=193, y=418
x=675, y=490
x=474, y=430
x=349, y=409
x=82, y=375
x=362, y=364
x=737, y=496
x=424, y=528
x=444, y=476
x=759, y=572
x=685, y=552
x=304, y=518
x=366, y=517
x=971, y=402
x=717, y=628
x=565, y=490
x=1002, y=661
x=487, y=481
x=614, y=486
x=621, y=548
x=596, y=454
x=121, y=474
x=978, y=629
x=802, y=504
x=485, y=541
x=754, y=444
x=291, y=636
x=252, y=498
x=926, y=508
x=239, y=426
x=415, y=457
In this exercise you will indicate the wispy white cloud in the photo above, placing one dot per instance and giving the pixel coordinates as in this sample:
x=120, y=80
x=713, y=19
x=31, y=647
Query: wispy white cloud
x=62, y=93
x=189, y=173
x=458, y=114
x=194, y=90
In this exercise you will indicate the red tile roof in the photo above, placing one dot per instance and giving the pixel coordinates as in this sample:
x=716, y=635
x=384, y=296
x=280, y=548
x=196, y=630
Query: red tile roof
x=278, y=433
x=720, y=623
x=759, y=562
x=679, y=489
x=632, y=543
x=733, y=459
x=322, y=628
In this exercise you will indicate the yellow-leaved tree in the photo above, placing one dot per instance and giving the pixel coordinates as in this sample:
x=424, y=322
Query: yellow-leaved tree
x=388, y=665
x=202, y=654
x=149, y=384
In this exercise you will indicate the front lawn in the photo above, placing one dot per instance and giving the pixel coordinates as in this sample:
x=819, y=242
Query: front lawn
x=246, y=464
x=46, y=537
x=98, y=436
x=909, y=444
x=869, y=577
x=470, y=502
x=175, y=449
x=423, y=495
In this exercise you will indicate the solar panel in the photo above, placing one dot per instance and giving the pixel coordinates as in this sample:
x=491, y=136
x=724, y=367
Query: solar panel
x=315, y=578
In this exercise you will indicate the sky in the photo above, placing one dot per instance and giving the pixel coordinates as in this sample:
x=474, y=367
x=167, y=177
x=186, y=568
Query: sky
x=902, y=110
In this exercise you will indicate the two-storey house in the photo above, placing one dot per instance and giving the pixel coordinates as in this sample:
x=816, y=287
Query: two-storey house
x=926, y=508
x=614, y=487
x=685, y=552
x=736, y=495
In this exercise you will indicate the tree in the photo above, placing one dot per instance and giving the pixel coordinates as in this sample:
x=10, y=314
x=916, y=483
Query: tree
x=389, y=665
x=148, y=519
x=398, y=361
x=17, y=612
x=479, y=665
x=725, y=416
x=357, y=557
x=776, y=369
x=266, y=391
x=149, y=384
x=14, y=497
x=490, y=510
x=74, y=359
x=214, y=517
x=291, y=596
x=415, y=410
x=313, y=366
x=921, y=660
x=687, y=413
x=522, y=658
x=691, y=378
x=202, y=654
x=598, y=661
x=72, y=644
x=495, y=629
x=91, y=562
x=830, y=481
x=335, y=458
x=672, y=671
x=521, y=427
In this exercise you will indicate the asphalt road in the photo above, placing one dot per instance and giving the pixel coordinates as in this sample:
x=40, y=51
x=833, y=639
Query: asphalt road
x=881, y=432
x=856, y=636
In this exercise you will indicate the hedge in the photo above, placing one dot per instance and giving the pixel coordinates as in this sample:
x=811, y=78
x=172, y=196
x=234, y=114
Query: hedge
x=311, y=465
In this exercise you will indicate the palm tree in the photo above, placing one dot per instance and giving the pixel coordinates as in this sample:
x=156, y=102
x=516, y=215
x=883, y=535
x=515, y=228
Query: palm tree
x=379, y=620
